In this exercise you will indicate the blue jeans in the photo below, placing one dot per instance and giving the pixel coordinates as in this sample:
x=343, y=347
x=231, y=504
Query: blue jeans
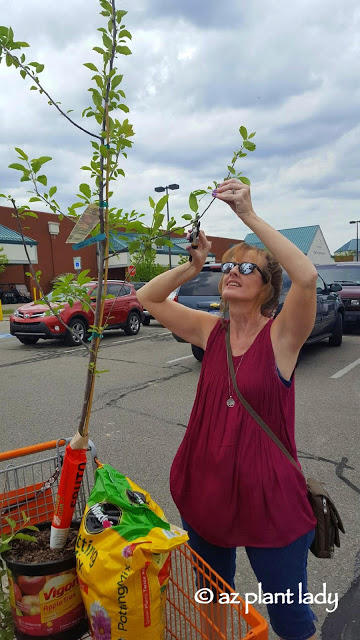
x=278, y=569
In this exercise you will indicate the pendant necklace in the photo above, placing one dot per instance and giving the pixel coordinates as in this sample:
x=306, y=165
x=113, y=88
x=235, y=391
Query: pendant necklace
x=230, y=401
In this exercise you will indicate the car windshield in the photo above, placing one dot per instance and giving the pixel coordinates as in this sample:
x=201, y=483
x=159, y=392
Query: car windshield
x=206, y=283
x=138, y=285
x=349, y=274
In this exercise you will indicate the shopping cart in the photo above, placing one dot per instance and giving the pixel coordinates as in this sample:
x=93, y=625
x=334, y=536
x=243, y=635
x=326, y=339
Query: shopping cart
x=28, y=483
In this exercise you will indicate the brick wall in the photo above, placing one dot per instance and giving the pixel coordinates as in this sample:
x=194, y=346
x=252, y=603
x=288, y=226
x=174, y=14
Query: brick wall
x=55, y=257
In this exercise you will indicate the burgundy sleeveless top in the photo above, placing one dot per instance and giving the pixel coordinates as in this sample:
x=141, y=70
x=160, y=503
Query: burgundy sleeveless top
x=229, y=480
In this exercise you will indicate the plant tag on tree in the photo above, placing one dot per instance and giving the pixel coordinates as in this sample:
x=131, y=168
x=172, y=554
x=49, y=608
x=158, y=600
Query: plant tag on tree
x=85, y=224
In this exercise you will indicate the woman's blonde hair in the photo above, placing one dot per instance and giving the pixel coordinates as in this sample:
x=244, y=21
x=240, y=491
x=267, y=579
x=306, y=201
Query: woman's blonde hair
x=268, y=298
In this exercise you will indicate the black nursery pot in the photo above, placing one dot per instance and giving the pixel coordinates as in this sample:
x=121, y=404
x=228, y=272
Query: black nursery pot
x=45, y=598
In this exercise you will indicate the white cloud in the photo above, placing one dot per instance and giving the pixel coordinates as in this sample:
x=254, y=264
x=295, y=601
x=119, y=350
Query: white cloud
x=287, y=71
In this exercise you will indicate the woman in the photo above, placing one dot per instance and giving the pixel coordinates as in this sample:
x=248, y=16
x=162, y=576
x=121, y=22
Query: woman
x=231, y=483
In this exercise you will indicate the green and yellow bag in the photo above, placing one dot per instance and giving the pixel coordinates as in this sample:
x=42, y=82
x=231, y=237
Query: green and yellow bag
x=123, y=559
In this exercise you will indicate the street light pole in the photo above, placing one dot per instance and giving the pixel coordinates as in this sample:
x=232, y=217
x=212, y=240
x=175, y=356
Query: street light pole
x=159, y=189
x=168, y=218
x=357, y=237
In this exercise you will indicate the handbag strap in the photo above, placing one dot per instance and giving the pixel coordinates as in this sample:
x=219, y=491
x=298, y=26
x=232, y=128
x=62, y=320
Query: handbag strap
x=249, y=408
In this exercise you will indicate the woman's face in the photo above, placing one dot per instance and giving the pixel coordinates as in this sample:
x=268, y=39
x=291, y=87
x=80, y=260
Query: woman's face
x=237, y=287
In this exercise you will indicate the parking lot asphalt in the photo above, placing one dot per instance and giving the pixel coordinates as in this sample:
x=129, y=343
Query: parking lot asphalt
x=140, y=413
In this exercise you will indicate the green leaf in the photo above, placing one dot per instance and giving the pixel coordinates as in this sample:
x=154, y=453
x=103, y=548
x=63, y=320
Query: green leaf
x=40, y=68
x=245, y=180
x=250, y=146
x=85, y=189
x=32, y=527
x=91, y=66
x=99, y=50
x=161, y=204
x=21, y=153
x=35, y=199
x=97, y=99
x=24, y=536
x=33, y=88
x=231, y=169
x=158, y=220
x=251, y=135
x=4, y=31
x=99, y=81
x=9, y=60
x=23, y=74
x=125, y=51
x=52, y=191
x=193, y=204
x=124, y=33
x=123, y=107
x=30, y=214
x=152, y=203
x=116, y=81
x=11, y=523
x=105, y=152
x=44, y=159
x=120, y=14
x=243, y=132
x=187, y=216
x=108, y=43
x=17, y=166
x=42, y=179
x=82, y=279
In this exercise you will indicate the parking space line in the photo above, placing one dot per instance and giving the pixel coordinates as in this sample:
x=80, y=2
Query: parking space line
x=166, y=333
x=177, y=359
x=346, y=369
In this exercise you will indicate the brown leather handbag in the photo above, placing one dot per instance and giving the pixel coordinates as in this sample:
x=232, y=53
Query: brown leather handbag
x=325, y=512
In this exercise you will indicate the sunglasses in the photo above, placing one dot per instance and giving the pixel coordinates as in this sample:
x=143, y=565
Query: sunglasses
x=244, y=268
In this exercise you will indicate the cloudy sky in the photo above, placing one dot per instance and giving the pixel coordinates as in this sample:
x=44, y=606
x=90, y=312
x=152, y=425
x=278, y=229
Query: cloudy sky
x=199, y=70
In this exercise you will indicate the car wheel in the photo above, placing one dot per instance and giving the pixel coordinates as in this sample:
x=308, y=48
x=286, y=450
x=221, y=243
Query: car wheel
x=146, y=321
x=75, y=337
x=132, y=324
x=198, y=352
x=28, y=340
x=335, y=339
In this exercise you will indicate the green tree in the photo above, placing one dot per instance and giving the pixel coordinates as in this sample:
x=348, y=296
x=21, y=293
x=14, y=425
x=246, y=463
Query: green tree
x=183, y=259
x=3, y=260
x=147, y=267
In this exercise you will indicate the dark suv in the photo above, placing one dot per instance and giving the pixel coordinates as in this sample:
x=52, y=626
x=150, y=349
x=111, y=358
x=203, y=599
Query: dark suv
x=32, y=321
x=202, y=293
x=348, y=275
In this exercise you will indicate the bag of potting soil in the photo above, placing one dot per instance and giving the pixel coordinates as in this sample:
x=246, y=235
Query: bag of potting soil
x=123, y=559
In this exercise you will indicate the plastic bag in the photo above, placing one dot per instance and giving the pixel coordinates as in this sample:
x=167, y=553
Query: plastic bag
x=123, y=559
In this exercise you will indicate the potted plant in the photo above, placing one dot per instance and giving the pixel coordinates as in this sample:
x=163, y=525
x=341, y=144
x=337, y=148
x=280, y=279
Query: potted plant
x=42, y=597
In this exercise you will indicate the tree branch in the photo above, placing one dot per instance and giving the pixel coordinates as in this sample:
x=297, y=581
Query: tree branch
x=34, y=79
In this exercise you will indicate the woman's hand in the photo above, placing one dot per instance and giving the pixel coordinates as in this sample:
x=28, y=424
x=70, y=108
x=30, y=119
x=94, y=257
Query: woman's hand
x=237, y=196
x=200, y=254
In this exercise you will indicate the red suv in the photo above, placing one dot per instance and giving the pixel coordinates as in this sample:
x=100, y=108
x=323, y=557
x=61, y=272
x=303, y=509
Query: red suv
x=29, y=322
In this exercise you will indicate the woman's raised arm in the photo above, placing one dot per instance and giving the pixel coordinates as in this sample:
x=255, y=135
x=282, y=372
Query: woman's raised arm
x=189, y=324
x=294, y=324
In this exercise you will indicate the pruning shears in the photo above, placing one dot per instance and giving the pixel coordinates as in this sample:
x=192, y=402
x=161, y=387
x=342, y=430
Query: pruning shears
x=193, y=235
